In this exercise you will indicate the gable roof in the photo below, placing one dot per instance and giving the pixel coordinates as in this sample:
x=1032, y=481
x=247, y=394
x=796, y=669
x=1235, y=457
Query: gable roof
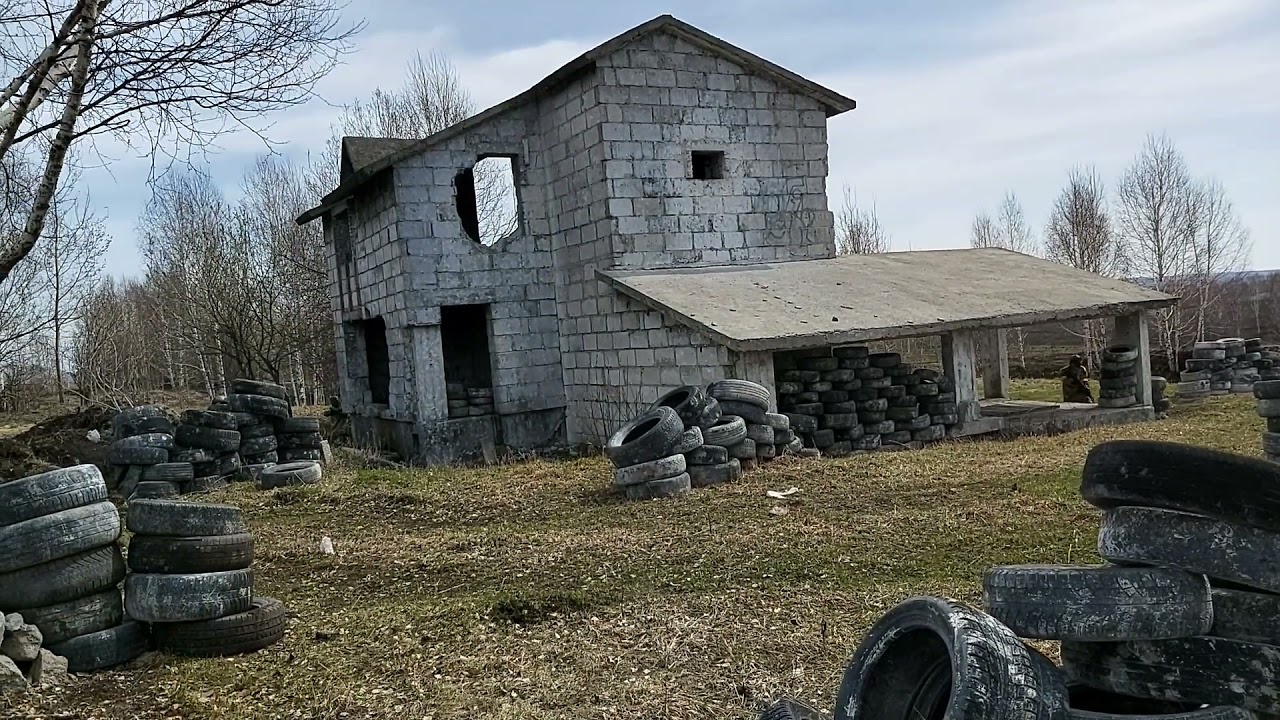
x=361, y=152
x=833, y=102
x=856, y=298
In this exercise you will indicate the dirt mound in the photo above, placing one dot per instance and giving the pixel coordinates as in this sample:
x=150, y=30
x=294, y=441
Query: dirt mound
x=60, y=441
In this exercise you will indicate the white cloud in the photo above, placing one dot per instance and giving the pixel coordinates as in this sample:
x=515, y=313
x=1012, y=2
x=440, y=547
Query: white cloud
x=1045, y=86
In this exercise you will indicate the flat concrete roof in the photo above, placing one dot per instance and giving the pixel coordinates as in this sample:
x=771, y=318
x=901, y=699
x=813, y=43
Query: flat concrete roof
x=855, y=298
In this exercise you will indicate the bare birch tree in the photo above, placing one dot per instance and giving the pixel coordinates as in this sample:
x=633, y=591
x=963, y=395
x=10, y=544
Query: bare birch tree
x=165, y=76
x=984, y=233
x=1156, y=221
x=858, y=229
x=431, y=98
x=1220, y=248
x=1080, y=234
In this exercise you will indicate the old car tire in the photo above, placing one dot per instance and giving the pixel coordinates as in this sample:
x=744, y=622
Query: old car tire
x=645, y=472
x=212, y=419
x=201, y=554
x=701, y=476
x=1057, y=602
x=1267, y=389
x=743, y=391
x=244, y=386
x=155, y=489
x=651, y=435
x=931, y=658
x=151, y=597
x=50, y=492
x=259, y=445
x=76, y=617
x=1168, y=538
x=687, y=401
x=1246, y=616
x=710, y=415
x=707, y=455
x=219, y=441
x=1204, y=670
x=291, y=473
x=1088, y=703
x=1171, y=476
x=259, y=405
x=744, y=449
x=260, y=626
x=665, y=488
x=58, y=535
x=64, y=579
x=760, y=434
x=174, y=472
x=125, y=455
x=690, y=440
x=182, y=518
x=728, y=431
x=105, y=648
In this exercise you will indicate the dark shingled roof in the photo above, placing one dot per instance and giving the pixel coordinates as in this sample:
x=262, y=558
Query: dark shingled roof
x=359, y=153
x=832, y=101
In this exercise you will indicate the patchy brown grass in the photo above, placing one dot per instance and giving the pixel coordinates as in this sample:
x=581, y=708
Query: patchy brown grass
x=531, y=591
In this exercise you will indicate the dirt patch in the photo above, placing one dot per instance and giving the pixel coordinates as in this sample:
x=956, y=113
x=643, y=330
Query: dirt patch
x=60, y=441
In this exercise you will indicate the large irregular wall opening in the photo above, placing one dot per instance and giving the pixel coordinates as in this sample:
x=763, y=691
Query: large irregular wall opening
x=487, y=202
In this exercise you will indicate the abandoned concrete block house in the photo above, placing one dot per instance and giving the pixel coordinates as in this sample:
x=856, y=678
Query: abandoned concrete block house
x=663, y=148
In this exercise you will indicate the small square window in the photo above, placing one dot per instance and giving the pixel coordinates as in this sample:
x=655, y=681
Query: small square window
x=708, y=164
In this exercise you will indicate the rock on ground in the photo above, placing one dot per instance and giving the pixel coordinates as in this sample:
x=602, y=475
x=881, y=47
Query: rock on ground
x=21, y=640
x=47, y=669
x=11, y=678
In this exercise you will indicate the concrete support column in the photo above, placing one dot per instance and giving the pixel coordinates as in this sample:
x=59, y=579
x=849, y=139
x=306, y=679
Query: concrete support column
x=757, y=366
x=1131, y=330
x=995, y=365
x=959, y=362
x=431, y=402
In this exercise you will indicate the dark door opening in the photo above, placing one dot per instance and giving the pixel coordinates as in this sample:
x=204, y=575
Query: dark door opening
x=377, y=359
x=468, y=374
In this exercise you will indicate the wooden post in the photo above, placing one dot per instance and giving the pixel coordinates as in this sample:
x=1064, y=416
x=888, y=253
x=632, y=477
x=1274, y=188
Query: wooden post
x=959, y=363
x=995, y=370
x=1131, y=330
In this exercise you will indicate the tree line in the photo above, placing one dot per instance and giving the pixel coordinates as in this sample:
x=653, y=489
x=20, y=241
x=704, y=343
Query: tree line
x=1161, y=226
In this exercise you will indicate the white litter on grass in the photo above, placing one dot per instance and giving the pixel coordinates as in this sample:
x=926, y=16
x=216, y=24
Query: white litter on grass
x=782, y=494
x=326, y=545
x=93, y=436
x=778, y=510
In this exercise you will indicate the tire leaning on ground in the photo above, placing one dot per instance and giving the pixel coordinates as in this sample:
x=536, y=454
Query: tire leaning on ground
x=1056, y=602
x=701, y=476
x=181, y=518
x=152, y=597
x=61, y=580
x=688, y=402
x=1167, y=538
x=743, y=391
x=105, y=648
x=651, y=435
x=931, y=658
x=640, y=473
x=292, y=473
x=1227, y=672
x=58, y=535
x=260, y=626
x=1172, y=476
x=50, y=492
x=186, y=555
x=73, y=618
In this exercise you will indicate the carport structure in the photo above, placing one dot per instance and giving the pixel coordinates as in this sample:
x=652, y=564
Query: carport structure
x=757, y=310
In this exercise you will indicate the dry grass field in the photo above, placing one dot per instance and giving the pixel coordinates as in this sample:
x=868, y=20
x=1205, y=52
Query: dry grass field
x=530, y=590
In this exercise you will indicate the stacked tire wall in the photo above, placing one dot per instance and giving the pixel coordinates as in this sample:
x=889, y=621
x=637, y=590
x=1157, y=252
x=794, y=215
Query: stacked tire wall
x=1267, y=393
x=190, y=578
x=848, y=399
x=61, y=567
x=1118, y=381
x=1182, y=620
x=139, y=454
x=1227, y=365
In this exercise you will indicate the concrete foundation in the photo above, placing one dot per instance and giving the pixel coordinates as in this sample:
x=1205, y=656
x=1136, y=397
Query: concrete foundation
x=1029, y=417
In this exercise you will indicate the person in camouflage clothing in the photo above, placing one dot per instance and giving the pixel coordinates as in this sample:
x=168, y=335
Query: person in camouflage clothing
x=1075, y=382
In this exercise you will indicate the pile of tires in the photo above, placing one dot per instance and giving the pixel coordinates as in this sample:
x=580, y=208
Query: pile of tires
x=467, y=401
x=703, y=442
x=210, y=441
x=1267, y=393
x=190, y=579
x=61, y=567
x=1183, y=617
x=1228, y=365
x=1269, y=362
x=138, y=456
x=1118, y=381
x=847, y=400
x=299, y=439
x=648, y=456
x=767, y=435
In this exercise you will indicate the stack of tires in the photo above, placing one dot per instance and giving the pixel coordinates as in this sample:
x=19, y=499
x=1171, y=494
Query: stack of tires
x=210, y=441
x=1183, y=618
x=706, y=462
x=143, y=437
x=468, y=401
x=647, y=456
x=750, y=401
x=1267, y=393
x=299, y=439
x=1244, y=355
x=60, y=567
x=1269, y=362
x=190, y=578
x=1118, y=384
x=847, y=399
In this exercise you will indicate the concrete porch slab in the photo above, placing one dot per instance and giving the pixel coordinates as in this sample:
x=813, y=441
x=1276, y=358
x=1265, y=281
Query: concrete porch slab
x=1030, y=417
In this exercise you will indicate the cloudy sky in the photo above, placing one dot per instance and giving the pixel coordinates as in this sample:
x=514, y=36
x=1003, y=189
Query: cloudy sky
x=957, y=102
